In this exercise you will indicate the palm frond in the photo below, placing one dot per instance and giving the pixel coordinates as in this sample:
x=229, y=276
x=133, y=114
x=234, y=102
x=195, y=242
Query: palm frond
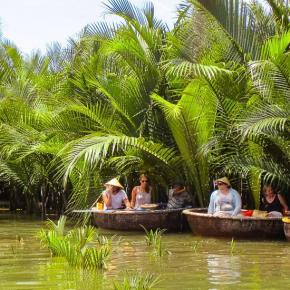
x=236, y=19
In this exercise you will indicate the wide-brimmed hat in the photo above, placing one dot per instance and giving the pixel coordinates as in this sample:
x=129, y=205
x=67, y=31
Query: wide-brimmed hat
x=224, y=180
x=114, y=182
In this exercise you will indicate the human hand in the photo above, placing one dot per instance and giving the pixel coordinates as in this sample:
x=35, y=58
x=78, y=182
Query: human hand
x=177, y=191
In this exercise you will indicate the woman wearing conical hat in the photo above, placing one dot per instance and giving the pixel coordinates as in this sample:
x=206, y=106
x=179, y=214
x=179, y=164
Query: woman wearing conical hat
x=114, y=196
x=225, y=200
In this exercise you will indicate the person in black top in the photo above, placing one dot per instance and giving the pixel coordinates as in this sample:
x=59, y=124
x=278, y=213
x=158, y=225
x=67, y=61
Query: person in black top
x=272, y=202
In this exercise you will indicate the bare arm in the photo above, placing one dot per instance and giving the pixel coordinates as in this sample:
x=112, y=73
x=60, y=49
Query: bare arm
x=283, y=202
x=210, y=209
x=238, y=204
x=178, y=192
x=107, y=198
x=133, y=197
x=127, y=203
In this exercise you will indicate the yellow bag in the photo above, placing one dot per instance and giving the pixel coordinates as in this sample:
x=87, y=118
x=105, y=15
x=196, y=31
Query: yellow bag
x=259, y=213
x=286, y=220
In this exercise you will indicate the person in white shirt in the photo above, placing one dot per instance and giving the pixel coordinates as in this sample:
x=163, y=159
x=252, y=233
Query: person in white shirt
x=114, y=197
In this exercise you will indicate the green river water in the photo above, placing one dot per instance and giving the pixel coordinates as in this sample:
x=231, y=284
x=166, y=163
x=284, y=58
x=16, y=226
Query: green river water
x=194, y=262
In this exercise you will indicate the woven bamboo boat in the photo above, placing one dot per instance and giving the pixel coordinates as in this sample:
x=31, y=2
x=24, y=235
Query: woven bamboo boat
x=131, y=220
x=286, y=227
x=203, y=224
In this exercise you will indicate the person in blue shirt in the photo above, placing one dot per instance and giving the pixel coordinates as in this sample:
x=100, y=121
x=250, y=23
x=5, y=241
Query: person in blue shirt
x=225, y=201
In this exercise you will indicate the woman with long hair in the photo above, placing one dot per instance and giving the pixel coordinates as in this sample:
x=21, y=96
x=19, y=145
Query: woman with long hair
x=273, y=202
x=141, y=194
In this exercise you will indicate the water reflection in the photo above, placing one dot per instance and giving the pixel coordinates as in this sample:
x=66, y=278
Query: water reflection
x=194, y=263
x=223, y=269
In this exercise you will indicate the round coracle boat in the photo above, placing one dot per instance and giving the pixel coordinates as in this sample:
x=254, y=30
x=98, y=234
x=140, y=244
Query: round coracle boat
x=204, y=224
x=131, y=220
x=286, y=221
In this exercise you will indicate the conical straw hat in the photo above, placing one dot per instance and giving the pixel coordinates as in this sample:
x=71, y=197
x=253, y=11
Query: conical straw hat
x=224, y=180
x=114, y=182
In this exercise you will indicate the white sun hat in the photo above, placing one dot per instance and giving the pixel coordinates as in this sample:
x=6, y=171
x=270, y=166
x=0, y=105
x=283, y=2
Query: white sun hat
x=115, y=182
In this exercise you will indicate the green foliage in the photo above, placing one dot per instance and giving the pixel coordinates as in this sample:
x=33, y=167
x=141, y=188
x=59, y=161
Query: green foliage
x=196, y=245
x=75, y=247
x=137, y=281
x=233, y=246
x=154, y=241
x=206, y=99
x=152, y=237
x=58, y=227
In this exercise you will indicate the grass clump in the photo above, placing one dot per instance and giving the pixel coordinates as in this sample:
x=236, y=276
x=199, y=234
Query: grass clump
x=233, y=246
x=137, y=281
x=74, y=245
x=154, y=240
x=196, y=245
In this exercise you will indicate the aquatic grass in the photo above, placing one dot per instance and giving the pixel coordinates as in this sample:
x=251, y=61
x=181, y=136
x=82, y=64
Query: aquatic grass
x=196, y=245
x=74, y=245
x=137, y=281
x=82, y=235
x=70, y=252
x=57, y=227
x=233, y=246
x=78, y=237
x=51, y=240
x=96, y=257
x=158, y=249
x=103, y=240
x=152, y=238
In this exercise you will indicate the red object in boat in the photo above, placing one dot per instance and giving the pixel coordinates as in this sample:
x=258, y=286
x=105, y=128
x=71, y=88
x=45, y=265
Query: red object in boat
x=248, y=212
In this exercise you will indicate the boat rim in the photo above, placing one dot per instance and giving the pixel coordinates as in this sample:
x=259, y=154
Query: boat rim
x=124, y=211
x=244, y=218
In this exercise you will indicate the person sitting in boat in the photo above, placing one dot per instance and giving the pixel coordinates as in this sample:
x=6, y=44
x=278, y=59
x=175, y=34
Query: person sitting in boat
x=114, y=197
x=178, y=197
x=225, y=200
x=272, y=202
x=141, y=194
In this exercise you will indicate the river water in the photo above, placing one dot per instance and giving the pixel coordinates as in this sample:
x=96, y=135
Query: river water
x=192, y=262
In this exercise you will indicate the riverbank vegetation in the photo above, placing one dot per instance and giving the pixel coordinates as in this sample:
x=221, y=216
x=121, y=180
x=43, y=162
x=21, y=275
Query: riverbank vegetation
x=208, y=98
